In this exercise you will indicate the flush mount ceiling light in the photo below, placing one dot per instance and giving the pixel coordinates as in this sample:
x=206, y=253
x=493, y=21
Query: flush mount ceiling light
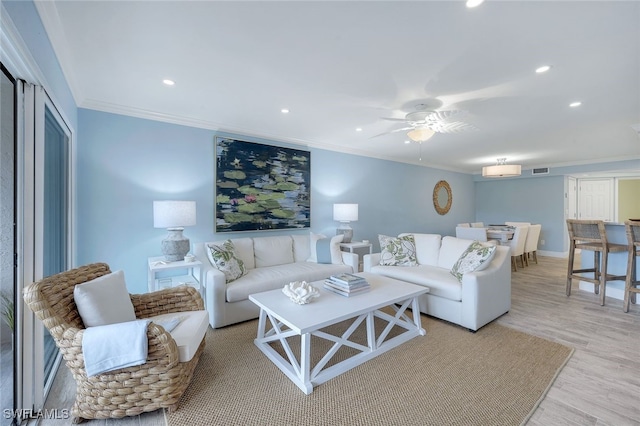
x=284, y=110
x=168, y=82
x=543, y=68
x=501, y=169
x=575, y=104
x=420, y=134
x=474, y=3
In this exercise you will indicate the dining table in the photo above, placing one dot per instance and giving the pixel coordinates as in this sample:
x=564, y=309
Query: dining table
x=502, y=233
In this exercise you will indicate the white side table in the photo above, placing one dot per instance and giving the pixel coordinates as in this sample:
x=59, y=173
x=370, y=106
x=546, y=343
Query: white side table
x=350, y=247
x=158, y=264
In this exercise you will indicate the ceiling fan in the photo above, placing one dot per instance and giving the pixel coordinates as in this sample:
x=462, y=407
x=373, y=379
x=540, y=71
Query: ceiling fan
x=424, y=122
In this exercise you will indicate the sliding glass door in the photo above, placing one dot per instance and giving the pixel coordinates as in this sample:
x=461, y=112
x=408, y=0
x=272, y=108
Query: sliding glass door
x=7, y=242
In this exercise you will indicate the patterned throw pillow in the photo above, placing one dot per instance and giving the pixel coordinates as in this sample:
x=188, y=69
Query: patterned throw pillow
x=476, y=256
x=223, y=258
x=397, y=251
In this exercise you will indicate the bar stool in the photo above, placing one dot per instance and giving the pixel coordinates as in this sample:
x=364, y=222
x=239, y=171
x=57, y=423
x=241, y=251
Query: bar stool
x=631, y=283
x=591, y=235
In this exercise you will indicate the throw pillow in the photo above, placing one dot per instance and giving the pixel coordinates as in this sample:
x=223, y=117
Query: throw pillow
x=104, y=300
x=476, y=257
x=325, y=250
x=224, y=259
x=397, y=251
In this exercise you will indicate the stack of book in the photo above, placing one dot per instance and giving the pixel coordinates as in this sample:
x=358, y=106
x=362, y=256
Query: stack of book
x=346, y=284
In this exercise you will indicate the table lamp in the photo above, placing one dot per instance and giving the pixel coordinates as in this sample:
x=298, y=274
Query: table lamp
x=174, y=215
x=345, y=213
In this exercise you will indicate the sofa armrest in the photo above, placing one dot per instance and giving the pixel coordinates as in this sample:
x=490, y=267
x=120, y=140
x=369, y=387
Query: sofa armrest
x=352, y=260
x=487, y=293
x=370, y=260
x=215, y=294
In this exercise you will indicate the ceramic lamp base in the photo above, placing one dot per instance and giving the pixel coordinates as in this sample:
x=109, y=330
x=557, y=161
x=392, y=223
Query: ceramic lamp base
x=345, y=230
x=175, y=246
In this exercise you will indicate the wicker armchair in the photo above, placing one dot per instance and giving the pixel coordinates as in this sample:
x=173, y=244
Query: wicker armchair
x=159, y=383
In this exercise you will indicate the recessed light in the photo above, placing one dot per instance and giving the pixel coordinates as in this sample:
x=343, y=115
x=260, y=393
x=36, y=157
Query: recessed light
x=168, y=82
x=284, y=111
x=407, y=142
x=358, y=129
x=575, y=104
x=543, y=68
x=474, y=3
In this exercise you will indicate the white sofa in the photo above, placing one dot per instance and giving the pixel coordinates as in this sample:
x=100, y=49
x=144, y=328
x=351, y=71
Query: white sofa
x=271, y=263
x=481, y=297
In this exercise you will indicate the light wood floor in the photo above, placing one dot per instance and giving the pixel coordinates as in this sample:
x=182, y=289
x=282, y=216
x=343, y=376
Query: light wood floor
x=600, y=384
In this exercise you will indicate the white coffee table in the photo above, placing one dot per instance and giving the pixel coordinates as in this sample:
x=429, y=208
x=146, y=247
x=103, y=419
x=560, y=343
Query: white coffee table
x=288, y=319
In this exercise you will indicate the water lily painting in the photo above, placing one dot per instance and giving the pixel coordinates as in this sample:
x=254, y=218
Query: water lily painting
x=261, y=187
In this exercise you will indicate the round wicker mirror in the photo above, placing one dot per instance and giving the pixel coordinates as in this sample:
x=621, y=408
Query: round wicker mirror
x=442, y=197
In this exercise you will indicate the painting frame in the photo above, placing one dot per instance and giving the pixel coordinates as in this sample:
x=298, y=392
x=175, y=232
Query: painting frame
x=260, y=187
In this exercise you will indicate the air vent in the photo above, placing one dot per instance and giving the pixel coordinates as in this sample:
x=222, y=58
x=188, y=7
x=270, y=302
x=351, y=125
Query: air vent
x=540, y=171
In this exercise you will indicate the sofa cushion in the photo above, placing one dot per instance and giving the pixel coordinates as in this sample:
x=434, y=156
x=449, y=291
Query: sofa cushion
x=104, y=300
x=476, y=257
x=400, y=251
x=440, y=282
x=271, y=251
x=427, y=248
x=325, y=250
x=223, y=257
x=244, y=251
x=451, y=250
x=274, y=277
x=188, y=333
x=301, y=247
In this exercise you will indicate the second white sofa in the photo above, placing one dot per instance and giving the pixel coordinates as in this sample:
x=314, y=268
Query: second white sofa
x=271, y=263
x=479, y=298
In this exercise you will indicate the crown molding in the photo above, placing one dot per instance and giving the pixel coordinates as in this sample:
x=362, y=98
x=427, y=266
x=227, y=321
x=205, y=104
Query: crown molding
x=55, y=31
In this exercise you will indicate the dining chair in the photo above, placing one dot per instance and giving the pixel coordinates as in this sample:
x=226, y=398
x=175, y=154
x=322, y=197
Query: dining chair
x=632, y=282
x=531, y=243
x=517, y=246
x=590, y=235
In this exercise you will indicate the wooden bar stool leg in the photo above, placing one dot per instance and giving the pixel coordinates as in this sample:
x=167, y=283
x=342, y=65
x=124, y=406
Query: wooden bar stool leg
x=597, y=271
x=570, y=267
x=629, y=284
x=603, y=277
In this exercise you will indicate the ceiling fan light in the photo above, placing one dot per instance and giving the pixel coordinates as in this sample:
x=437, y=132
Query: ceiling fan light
x=420, y=134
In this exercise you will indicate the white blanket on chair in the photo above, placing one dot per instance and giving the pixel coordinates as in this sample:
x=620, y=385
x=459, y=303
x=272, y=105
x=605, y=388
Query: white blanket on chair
x=114, y=346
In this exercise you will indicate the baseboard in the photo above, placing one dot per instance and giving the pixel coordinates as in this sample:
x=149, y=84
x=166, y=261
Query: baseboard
x=564, y=254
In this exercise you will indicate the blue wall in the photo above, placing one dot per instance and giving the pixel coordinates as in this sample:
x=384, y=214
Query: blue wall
x=126, y=163
x=536, y=200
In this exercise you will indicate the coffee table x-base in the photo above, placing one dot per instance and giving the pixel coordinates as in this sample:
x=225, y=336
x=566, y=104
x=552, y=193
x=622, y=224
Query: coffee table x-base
x=281, y=319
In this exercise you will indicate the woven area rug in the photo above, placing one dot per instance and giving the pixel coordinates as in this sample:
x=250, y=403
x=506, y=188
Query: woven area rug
x=451, y=376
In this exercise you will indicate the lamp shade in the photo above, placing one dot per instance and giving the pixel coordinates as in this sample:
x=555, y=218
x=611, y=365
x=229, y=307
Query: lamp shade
x=502, y=170
x=345, y=212
x=174, y=214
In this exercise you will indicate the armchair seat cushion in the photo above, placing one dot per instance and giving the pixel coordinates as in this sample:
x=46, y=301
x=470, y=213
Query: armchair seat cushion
x=188, y=334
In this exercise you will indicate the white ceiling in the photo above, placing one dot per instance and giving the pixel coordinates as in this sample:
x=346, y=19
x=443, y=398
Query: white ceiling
x=340, y=65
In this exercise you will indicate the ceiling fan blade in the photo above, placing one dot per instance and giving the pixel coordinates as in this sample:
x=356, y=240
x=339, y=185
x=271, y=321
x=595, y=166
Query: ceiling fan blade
x=452, y=127
x=392, y=131
x=393, y=119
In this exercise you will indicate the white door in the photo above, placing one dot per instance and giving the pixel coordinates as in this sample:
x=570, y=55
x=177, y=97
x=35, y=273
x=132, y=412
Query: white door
x=572, y=195
x=595, y=199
